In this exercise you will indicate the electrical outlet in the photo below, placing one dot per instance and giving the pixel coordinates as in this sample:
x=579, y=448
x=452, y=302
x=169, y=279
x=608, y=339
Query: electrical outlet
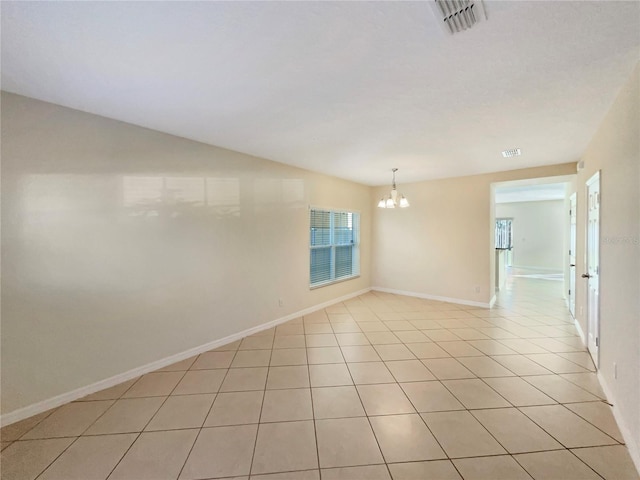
x=281, y=302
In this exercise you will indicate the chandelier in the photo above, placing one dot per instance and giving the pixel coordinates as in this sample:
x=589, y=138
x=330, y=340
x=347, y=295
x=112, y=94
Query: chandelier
x=392, y=200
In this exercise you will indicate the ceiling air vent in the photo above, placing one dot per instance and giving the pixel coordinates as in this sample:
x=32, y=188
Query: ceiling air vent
x=459, y=15
x=512, y=152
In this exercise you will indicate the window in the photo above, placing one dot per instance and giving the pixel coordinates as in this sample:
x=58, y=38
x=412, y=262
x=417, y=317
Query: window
x=504, y=233
x=334, y=246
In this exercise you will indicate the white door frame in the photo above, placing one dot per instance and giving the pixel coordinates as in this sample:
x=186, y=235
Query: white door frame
x=572, y=254
x=592, y=274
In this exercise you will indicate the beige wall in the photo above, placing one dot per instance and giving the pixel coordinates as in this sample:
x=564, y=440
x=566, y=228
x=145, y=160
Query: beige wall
x=443, y=245
x=615, y=151
x=538, y=233
x=101, y=275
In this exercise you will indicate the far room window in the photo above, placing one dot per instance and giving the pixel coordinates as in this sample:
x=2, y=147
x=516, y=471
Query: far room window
x=504, y=233
x=334, y=246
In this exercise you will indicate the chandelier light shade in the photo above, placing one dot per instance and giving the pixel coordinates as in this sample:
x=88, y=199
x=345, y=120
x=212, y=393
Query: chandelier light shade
x=392, y=200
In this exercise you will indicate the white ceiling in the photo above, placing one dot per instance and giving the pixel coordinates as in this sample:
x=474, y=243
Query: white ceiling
x=346, y=88
x=530, y=193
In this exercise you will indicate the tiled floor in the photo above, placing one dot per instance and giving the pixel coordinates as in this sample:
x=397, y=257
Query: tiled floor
x=379, y=387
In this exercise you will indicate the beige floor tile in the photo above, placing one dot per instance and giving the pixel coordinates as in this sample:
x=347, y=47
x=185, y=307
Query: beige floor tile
x=600, y=415
x=284, y=447
x=321, y=340
x=290, y=329
x=323, y=355
x=299, y=475
x=394, y=352
x=460, y=349
x=264, y=342
x=315, y=328
x=370, y=372
x=70, y=420
x=553, y=345
x=427, y=350
x=613, y=463
x=461, y=435
x=405, y=438
x=400, y=326
x=330, y=375
x=287, y=405
x=336, y=402
x=182, y=411
x=200, y=381
x=447, y=369
x=373, y=326
x=154, y=385
x=567, y=427
x=289, y=341
x=435, y=469
x=556, y=465
x=251, y=358
x=345, y=327
x=515, y=431
x=351, y=339
x=556, y=363
x=126, y=416
x=522, y=346
x=560, y=389
x=431, y=397
x=221, y=451
x=288, y=377
x=4, y=445
x=269, y=332
x=237, y=408
x=215, y=359
x=409, y=371
x=441, y=335
x=360, y=353
x=16, y=430
x=90, y=458
x=346, y=442
x=491, y=347
x=340, y=317
x=474, y=393
x=368, y=472
x=181, y=366
x=521, y=365
x=587, y=381
x=243, y=379
x=288, y=357
x=485, y=367
x=518, y=392
x=468, y=334
x=112, y=393
x=499, y=334
x=382, y=338
x=502, y=467
x=25, y=460
x=386, y=399
x=412, y=336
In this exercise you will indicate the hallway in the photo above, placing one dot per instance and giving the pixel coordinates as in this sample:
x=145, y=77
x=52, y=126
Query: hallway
x=378, y=387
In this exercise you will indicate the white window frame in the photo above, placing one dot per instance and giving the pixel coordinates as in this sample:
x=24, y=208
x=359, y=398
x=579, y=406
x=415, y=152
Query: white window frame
x=332, y=245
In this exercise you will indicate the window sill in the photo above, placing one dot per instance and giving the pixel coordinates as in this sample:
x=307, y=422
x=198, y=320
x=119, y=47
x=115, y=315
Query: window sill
x=332, y=282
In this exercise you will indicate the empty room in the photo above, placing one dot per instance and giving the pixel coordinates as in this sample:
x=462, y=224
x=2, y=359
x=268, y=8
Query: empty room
x=320, y=240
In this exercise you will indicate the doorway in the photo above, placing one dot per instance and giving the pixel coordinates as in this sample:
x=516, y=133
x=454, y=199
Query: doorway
x=592, y=274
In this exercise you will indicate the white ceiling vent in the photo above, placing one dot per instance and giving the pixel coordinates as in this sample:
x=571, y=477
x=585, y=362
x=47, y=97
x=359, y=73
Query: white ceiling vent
x=459, y=15
x=512, y=152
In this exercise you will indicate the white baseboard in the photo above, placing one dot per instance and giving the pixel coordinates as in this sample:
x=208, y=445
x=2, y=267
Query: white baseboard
x=580, y=332
x=629, y=440
x=492, y=302
x=58, y=400
x=459, y=301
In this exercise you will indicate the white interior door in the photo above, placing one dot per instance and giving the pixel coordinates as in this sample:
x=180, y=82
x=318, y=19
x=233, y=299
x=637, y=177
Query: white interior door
x=593, y=266
x=572, y=255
